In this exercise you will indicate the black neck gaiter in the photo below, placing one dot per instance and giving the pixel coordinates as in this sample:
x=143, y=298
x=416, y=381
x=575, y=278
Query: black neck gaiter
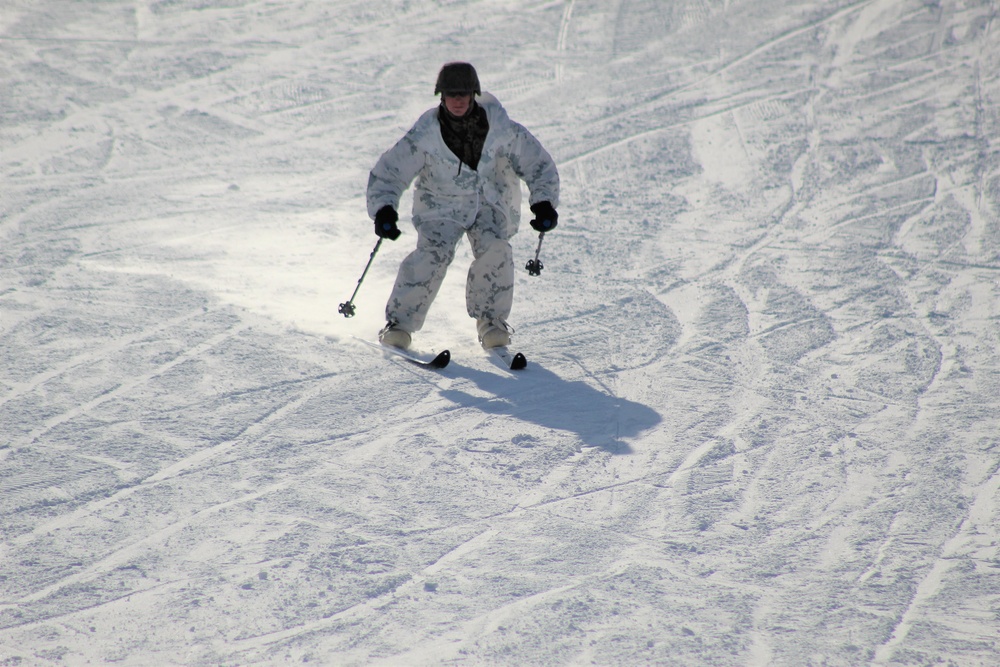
x=465, y=135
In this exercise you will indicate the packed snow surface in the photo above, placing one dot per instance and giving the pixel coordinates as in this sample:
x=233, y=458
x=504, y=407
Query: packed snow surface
x=759, y=425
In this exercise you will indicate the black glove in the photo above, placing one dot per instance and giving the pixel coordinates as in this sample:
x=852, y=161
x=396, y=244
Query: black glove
x=385, y=223
x=546, y=217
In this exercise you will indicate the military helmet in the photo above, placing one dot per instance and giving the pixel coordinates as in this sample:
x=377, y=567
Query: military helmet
x=458, y=78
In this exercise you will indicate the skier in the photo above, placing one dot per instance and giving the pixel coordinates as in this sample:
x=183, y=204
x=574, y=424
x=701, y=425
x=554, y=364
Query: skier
x=467, y=157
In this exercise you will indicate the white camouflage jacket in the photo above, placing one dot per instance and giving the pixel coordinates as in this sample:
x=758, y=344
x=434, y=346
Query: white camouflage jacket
x=446, y=189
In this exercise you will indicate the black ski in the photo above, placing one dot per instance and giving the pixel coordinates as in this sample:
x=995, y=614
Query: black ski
x=515, y=361
x=439, y=360
x=429, y=360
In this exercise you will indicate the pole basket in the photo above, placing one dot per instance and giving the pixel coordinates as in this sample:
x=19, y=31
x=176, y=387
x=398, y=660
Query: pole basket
x=347, y=308
x=534, y=266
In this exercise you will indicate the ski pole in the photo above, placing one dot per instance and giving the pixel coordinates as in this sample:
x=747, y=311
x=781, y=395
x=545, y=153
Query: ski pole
x=534, y=266
x=347, y=308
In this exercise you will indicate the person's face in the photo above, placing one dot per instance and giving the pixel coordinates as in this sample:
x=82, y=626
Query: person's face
x=457, y=104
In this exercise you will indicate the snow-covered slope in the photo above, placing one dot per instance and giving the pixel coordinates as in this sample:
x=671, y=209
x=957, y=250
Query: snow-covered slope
x=760, y=422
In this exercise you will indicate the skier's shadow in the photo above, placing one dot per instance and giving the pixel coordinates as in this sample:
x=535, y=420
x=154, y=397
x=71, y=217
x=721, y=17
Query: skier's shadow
x=539, y=396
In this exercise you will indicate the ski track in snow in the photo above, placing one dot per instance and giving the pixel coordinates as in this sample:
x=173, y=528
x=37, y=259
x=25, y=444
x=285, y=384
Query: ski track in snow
x=758, y=422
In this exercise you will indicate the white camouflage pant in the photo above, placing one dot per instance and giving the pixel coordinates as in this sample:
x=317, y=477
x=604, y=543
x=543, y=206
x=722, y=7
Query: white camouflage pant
x=489, y=289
